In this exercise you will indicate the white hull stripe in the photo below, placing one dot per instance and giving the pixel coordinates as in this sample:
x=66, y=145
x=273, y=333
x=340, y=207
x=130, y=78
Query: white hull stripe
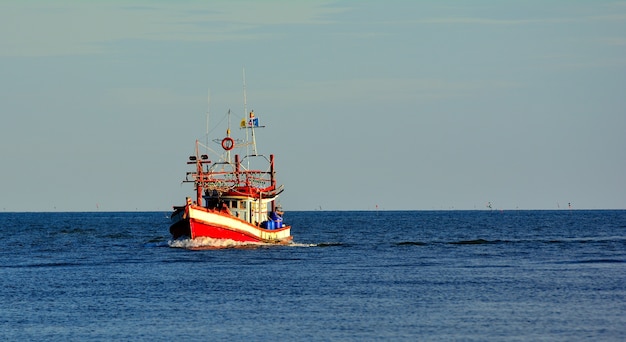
x=238, y=225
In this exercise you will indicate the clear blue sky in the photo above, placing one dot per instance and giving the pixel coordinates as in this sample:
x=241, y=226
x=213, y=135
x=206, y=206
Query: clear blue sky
x=401, y=104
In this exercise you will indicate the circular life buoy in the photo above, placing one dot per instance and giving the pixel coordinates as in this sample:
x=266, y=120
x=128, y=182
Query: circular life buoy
x=228, y=143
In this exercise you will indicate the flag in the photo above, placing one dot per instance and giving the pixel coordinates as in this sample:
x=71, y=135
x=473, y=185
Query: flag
x=253, y=122
x=243, y=123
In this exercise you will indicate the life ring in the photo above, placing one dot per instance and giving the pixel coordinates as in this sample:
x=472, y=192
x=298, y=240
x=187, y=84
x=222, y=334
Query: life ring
x=228, y=143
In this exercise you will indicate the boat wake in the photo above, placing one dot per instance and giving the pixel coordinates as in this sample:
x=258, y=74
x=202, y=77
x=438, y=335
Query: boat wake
x=210, y=243
x=201, y=243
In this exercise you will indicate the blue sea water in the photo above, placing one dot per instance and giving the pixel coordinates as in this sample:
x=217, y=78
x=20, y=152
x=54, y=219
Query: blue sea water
x=349, y=276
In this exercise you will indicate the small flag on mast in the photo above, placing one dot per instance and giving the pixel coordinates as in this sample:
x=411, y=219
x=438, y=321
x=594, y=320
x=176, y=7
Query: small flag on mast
x=252, y=121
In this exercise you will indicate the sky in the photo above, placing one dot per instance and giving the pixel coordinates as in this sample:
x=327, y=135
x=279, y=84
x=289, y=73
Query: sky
x=394, y=105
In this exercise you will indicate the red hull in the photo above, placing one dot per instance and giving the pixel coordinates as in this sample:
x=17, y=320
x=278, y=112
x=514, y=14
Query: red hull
x=200, y=229
x=197, y=224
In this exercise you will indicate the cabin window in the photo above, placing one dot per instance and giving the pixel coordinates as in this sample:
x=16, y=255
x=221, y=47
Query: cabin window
x=234, y=204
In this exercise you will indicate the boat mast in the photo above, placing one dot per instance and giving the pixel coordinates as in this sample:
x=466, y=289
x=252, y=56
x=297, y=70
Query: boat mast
x=207, y=118
x=228, y=135
x=248, y=116
x=199, y=180
x=253, y=138
x=245, y=106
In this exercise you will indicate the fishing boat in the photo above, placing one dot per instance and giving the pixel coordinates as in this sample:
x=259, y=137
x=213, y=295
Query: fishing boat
x=236, y=195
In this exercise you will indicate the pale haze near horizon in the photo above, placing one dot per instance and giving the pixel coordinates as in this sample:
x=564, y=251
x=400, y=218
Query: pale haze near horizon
x=401, y=105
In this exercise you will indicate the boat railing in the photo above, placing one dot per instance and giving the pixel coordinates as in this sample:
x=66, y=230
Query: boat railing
x=232, y=179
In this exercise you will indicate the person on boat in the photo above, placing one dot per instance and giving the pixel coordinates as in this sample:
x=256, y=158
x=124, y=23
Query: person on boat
x=276, y=216
x=279, y=211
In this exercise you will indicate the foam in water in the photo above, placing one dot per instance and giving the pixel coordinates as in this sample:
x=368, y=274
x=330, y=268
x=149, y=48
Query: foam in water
x=210, y=243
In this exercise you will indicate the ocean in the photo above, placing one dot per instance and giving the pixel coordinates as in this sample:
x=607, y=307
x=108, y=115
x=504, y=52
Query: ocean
x=349, y=276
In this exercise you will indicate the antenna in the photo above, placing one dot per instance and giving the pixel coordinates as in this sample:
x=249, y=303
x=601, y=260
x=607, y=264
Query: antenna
x=245, y=106
x=207, y=117
x=245, y=115
x=228, y=135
